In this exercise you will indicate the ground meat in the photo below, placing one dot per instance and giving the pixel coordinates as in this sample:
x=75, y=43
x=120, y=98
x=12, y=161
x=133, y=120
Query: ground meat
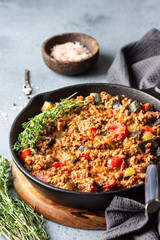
x=95, y=149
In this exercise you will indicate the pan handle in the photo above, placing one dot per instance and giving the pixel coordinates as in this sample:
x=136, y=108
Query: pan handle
x=152, y=191
x=154, y=91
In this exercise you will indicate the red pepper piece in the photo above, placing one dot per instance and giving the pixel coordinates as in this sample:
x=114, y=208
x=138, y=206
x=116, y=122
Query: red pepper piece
x=109, y=184
x=24, y=154
x=98, y=179
x=94, y=188
x=86, y=156
x=144, y=107
x=94, y=132
x=148, y=129
x=85, y=139
x=57, y=164
x=115, y=162
x=118, y=130
x=147, y=150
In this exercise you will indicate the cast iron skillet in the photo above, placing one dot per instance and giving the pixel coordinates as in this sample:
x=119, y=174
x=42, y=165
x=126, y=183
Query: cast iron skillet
x=73, y=199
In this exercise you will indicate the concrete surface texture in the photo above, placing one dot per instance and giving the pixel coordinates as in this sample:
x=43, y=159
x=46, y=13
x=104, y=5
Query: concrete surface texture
x=24, y=25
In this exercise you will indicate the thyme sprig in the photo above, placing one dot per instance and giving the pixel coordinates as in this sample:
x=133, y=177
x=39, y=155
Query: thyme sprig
x=17, y=219
x=28, y=138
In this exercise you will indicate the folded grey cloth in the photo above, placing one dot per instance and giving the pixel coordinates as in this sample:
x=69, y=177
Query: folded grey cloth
x=138, y=63
x=126, y=219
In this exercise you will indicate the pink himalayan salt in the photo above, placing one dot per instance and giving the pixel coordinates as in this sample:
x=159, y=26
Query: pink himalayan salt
x=70, y=52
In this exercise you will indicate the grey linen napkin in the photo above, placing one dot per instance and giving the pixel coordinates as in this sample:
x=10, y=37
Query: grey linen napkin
x=127, y=219
x=138, y=63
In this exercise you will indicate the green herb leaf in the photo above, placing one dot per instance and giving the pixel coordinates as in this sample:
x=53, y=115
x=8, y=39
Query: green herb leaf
x=28, y=138
x=17, y=219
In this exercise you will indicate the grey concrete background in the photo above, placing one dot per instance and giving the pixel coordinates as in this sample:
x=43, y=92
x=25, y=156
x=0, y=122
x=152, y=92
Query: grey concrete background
x=24, y=25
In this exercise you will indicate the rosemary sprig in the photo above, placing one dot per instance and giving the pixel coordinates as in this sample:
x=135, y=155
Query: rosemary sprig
x=28, y=138
x=18, y=221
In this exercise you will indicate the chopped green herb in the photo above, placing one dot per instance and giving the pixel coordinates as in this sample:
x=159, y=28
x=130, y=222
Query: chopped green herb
x=28, y=138
x=17, y=219
x=134, y=106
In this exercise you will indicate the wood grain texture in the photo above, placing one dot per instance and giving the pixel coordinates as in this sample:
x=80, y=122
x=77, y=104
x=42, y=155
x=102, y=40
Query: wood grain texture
x=83, y=219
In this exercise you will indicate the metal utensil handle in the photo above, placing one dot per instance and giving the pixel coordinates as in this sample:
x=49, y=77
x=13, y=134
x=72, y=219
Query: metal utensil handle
x=152, y=192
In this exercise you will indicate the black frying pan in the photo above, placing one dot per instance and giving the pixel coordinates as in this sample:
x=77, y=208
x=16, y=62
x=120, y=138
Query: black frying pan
x=73, y=199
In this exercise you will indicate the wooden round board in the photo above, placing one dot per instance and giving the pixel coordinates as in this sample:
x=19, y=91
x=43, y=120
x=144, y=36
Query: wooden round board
x=77, y=218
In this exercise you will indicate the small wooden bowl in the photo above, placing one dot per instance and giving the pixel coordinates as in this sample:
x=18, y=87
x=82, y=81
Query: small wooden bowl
x=66, y=67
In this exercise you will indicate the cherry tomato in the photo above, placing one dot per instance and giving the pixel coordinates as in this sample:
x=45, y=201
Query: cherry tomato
x=118, y=130
x=86, y=156
x=58, y=164
x=115, y=162
x=109, y=184
x=24, y=154
x=94, y=132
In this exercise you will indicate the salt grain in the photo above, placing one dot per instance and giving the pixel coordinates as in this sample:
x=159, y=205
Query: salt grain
x=70, y=52
x=26, y=90
x=4, y=115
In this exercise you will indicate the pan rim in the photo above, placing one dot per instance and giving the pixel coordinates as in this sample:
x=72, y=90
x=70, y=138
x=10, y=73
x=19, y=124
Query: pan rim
x=48, y=186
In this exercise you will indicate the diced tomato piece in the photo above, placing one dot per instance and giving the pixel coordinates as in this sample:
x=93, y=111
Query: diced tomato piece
x=98, y=179
x=86, y=156
x=148, y=129
x=24, y=154
x=109, y=184
x=147, y=107
x=94, y=132
x=85, y=139
x=118, y=130
x=115, y=162
x=144, y=107
x=94, y=188
x=147, y=150
x=58, y=164
x=109, y=113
